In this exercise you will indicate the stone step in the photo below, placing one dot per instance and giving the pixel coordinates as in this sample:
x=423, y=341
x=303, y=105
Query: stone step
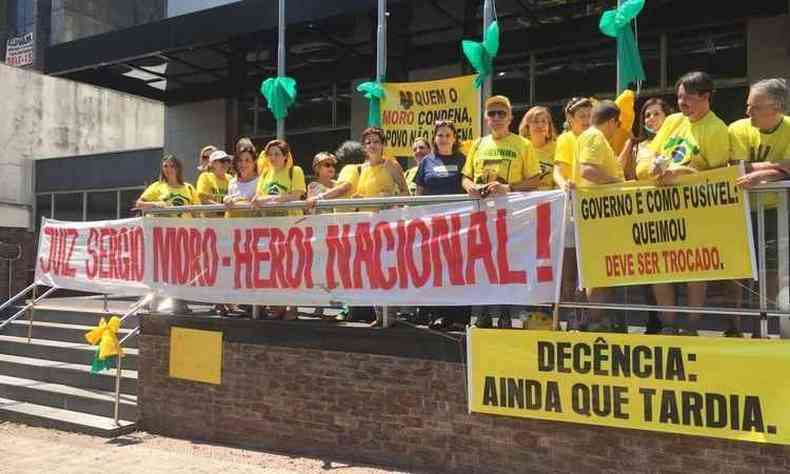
x=59, y=331
x=75, y=316
x=76, y=375
x=67, y=420
x=83, y=400
x=73, y=352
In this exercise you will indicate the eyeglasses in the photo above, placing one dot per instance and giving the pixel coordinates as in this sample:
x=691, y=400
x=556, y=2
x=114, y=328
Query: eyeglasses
x=496, y=113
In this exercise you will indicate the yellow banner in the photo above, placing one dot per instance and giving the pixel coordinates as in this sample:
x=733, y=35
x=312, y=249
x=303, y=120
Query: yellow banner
x=410, y=109
x=636, y=233
x=718, y=387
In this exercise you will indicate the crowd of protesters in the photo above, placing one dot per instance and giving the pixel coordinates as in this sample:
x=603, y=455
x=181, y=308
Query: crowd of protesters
x=596, y=148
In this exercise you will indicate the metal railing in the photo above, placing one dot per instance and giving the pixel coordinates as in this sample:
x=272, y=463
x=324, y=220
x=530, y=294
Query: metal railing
x=134, y=309
x=781, y=188
x=30, y=306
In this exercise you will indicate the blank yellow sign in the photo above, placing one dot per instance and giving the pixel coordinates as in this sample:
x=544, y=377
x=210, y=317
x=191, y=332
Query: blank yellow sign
x=196, y=355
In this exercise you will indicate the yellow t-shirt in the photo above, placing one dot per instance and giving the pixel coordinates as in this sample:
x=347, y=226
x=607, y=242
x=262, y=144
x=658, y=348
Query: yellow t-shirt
x=262, y=163
x=209, y=187
x=625, y=101
x=592, y=148
x=747, y=143
x=183, y=195
x=371, y=181
x=564, y=152
x=508, y=160
x=702, y=145
x=545, y=157
x=280, y=181
x=409, y=176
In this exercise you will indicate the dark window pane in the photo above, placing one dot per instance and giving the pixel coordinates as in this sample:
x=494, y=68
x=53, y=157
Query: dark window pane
x=43, y=209
x=581, y=71
x=719, y=51
x=128, y=198
x=102, y=206
x=68, y=207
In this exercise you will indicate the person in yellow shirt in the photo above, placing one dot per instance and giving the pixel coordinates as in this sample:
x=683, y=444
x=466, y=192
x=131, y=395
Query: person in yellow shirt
x=282, y=182
x=501, y=162
x=497, y=164
x=695, y=139
x=212, y=186
x=420, y=148
x=170, y=189
x=595, y=165
x=537, y=127
x=577, y=118
x=625, y=102
x=762, y=141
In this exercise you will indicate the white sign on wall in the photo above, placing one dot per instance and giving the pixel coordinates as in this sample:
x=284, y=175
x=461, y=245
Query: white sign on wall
x=20, y=50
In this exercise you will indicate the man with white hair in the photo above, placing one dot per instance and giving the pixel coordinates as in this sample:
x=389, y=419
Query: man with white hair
x=762, y=141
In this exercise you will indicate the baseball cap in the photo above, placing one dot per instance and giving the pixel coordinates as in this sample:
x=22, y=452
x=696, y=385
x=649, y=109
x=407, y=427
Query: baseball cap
x=497, y=100
x=218, y=155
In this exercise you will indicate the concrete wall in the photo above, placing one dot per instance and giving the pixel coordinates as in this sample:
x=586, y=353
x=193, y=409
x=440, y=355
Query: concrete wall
x=190, y=127
x=47, y=117
x=768, y=47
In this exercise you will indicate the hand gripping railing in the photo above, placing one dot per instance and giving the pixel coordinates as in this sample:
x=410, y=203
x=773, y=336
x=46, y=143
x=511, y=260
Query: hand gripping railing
x=119, y=366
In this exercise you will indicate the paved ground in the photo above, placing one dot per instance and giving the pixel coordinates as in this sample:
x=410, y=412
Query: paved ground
x=38, y=450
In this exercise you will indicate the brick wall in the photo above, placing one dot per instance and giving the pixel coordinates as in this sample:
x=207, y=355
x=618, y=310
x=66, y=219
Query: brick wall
x=400, y=411
x=22, y=277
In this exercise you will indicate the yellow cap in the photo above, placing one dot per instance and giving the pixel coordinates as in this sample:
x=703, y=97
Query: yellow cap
x=497, y=100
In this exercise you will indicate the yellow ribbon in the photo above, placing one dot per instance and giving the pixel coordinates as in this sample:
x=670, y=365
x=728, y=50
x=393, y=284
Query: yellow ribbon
x=106, y=336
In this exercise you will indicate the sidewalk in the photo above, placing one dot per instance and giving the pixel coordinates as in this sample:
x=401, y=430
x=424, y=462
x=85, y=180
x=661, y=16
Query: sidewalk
x=38, y=450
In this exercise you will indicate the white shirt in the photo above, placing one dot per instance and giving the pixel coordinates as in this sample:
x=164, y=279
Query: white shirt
x=242, y=189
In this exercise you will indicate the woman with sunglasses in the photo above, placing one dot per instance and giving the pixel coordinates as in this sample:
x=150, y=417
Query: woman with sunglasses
x=324, y=168
x=537, y=127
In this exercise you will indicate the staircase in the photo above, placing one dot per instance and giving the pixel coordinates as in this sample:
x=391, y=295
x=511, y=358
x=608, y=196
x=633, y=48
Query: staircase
x=47, y=382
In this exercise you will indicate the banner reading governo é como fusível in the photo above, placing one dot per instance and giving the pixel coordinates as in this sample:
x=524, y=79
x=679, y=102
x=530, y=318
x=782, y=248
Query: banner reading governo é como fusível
x=636, y=233
x=503, y=251
x=724, y=388
x=410, y=110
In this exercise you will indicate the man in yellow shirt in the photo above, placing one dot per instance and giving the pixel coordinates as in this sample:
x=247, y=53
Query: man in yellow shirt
x=496, y=165
x=693, y=140
x=762, y=143
x=502, y=161
x=596, y=164
x=763, y=139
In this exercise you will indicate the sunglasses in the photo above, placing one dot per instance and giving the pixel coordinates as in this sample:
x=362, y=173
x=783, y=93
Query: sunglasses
x=496, y=113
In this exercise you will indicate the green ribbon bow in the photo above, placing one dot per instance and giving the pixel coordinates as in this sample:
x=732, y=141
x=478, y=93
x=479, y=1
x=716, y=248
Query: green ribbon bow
x=374, y=92
x=616, y=23
x=280, y=93
x=481, y=55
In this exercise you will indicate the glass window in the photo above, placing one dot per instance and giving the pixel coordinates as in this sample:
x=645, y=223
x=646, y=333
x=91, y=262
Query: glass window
x=313, y=109
x=68, y=206
x=128, y=198
x=719, y=51
x=102, y=205
x=43, y=209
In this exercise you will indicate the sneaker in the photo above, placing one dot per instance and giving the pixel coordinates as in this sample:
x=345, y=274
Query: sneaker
x=484, y=321
x=504, y=322
x=669, y=331
x=689, y=332
x=732, y=332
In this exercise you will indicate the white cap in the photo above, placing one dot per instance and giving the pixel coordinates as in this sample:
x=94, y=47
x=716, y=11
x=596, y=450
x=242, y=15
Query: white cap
x=218, y=155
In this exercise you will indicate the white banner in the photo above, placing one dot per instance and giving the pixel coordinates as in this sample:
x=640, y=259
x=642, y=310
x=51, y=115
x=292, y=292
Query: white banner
x=504, y=251
x=20, y=50
x=98, y=257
